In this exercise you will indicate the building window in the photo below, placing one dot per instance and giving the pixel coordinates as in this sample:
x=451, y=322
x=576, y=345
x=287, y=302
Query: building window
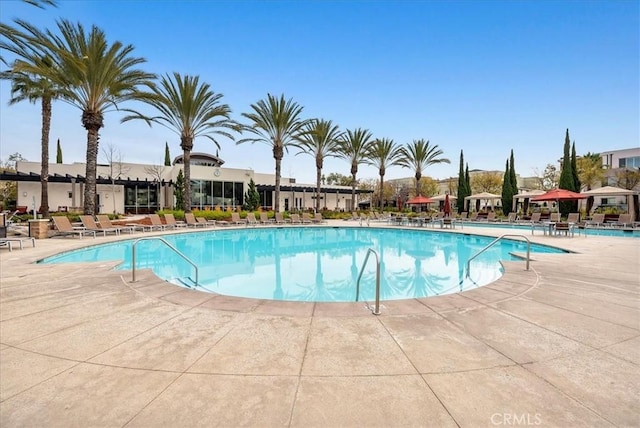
x=632, y=162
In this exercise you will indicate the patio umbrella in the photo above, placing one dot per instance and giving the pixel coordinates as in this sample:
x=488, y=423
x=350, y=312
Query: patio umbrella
x=558, y=195
x=447, y=206
x=419, y=200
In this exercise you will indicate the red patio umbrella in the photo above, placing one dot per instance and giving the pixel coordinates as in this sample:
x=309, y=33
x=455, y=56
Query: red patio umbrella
x=558, y=195
x=447, y=206
x=417, y=200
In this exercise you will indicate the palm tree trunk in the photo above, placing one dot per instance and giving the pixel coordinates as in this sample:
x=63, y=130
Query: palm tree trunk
x=91, y=172
x=186, y=158
x=381, y=189
x=418, y=177
x=44, y=168
x=354, y=171
x=278, y=154
x=318, y=183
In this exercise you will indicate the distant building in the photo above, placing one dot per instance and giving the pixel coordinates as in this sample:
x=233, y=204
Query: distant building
x=139, y=188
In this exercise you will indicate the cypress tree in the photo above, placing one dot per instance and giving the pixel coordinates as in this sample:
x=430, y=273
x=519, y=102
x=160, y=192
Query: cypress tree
x=467, y=184
x=512, y=175
x=59, y=154
x=178, y=190
x=507, y=190
x=167, y=158
x=461, y=185
x=566, y=177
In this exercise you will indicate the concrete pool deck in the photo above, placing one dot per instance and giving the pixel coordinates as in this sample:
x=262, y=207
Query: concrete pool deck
x=558, y=345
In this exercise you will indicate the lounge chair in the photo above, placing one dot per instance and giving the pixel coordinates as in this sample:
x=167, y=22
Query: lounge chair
x=157, y=222
x=170, y=221
x=205, y=222
x=281, y=220
x=536, y=223
x=235, y=219
x=65, y=228
x=511, y=218
x=295, y=219
x=264, y=219
x=252, y=220
x=318, y=219
x=105, y=223
x=90, y=224
x=597, y=220
x=473, y=216
x=306, y=218
x=5, y=243
x=554, y=217
x=624, y=220
x=573, y=218
x=191, y=221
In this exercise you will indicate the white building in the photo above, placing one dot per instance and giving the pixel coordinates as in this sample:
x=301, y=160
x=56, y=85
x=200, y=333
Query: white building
x=137, y=188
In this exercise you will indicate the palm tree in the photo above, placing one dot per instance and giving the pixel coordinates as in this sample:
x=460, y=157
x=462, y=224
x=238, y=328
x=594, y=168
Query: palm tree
x=319, y=139
x=383, y=153
x=190, y=109
x=32, y=85
x=93, y=76
x=419, y=155
x=590, y=172
x=353, y=147
x=276, y=122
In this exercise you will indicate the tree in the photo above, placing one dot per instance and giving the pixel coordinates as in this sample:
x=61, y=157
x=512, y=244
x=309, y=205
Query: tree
x=117, y=168
x=191, y=109
x=251, y=198
x=157, y=172
x=512, y=174
x=507, y=190
x=338, y=179
x=574, y=171
x=590, y=173
x=567, y=181
x=31, y=80
x=418, y=156
x=548, y=179
x=353, y=147
x=428, y=187
x=320, y=139
x=462, y=185
x=90, y=74
x=59, y=153
x=628, y=178
x=490, y=182
x=178, y=190
x=276, y=122
x=467, y=183
x=167, y=157
x=9, y=189
x=383, y=153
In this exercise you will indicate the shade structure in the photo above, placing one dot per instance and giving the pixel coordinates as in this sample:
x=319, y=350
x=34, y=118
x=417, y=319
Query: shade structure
x=482, y=196
x=608, y=191
x=443, y=197
x=417, y=200
x=558, y=195
x=613, y=191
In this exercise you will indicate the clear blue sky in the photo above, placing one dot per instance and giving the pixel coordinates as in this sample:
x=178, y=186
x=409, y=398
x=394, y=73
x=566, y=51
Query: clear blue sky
x=484, y=77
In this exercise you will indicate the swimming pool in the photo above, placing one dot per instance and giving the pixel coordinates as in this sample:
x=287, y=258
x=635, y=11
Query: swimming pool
x=315, y=264
x=591, y=231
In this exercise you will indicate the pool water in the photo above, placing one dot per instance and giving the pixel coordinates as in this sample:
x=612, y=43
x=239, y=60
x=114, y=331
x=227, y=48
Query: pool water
x=316, y=264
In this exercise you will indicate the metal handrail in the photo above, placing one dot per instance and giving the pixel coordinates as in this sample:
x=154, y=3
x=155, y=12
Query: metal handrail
x=496, y=241
x=376, y=311
x=133, y=255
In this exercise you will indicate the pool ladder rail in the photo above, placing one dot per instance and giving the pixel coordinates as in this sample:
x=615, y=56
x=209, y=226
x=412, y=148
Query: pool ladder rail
x=495, y=241
x=376, y=310
x=157, y=238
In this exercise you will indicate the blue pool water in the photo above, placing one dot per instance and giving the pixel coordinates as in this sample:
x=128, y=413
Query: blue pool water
x=319, y=264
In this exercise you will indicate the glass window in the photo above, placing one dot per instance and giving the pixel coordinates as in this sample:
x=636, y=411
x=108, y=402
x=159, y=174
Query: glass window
x=238, y=193
x=227, y=192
